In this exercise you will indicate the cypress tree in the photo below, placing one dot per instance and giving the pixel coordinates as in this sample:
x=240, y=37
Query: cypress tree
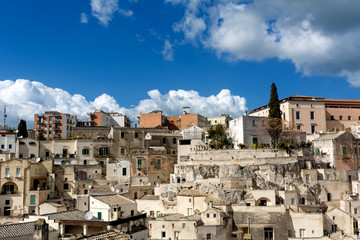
x=274, y=120
x=22, y=129
x=274, y=103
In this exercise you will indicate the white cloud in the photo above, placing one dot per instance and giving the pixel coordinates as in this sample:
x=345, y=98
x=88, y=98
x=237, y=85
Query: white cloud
x=104, y=10
x=319, y=37
x=140, y=38
x=126, y=13
x=24, y=98
x=168, y=51
x=83, y=18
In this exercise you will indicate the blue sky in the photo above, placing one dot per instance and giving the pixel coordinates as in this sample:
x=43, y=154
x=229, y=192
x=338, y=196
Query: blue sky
x=45, y=41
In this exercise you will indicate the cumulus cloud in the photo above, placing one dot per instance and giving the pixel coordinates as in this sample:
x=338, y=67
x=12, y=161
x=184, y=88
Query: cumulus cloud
x=24, y=98
x=83, y=18
x=126, y=13
x=319, y=37
x=104, y=10
x=168, y=51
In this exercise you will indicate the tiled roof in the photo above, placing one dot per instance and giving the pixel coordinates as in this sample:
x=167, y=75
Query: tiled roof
x=18, y=230
x=66, y=215
x=192, y=193
x=150, y=197
x=216, y=201
x=329, y=136
x=179, y=216
x=113, y=234
x=113, y=200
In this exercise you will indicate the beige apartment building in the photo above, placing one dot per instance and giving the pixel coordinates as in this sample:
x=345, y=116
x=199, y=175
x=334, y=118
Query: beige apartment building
x=316, y=114
x=25, y=184
x=303, y=113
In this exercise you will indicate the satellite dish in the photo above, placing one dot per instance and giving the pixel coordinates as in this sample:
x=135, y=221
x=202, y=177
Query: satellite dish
x=89, y=215
x=331, y=165
x=149, y=184
x=89, y=186
x=117, y=191
x=37, y=159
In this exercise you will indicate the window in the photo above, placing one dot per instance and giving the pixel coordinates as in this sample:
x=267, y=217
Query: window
x=313, y=128
x=355, y=211
x=333, y=228
x=183, y=225
x=124, y=171
x=253, y=122
x=297, y=115
x=355, y=224
x=164, y=140
x=189, y=199
x=174, y=140
x=47, y=154
x=7, y=202
x=344, y=150
x=18, y=172
x=32, y=155
x=136, y=135
x=298, y=127
x=85, y=151
x=349, y=117
x=99, y=215
x=103, y=151
x=10, y=146
x=122, y=151
x=122, y=134
x=32, y=143
x=329, y=196
x=151, y=213
x=2, y=146
x=139, y=164
x=293, y=201
x=340, y=117
x=85, y=191
x=333, y=118
x=302, y=233
x=214, y=215
x=317, y=151
x=66, y=186
x=269, y=233
x=7, y=172
x=32, y=199
x=163, y=234
x=208, y=215
x=307, y=178
x=158, y=163
x=132, y=213
x=189, y=211
x=312, y=115
x=208, y=236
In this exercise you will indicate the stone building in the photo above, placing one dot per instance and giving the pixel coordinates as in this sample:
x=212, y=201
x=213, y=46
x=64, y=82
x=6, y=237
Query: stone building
x=340, y=149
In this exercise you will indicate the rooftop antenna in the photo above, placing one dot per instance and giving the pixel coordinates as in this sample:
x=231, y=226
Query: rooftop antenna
x=5, y=117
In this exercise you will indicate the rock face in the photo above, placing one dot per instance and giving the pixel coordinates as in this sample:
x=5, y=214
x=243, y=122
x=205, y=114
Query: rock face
x=267, y=176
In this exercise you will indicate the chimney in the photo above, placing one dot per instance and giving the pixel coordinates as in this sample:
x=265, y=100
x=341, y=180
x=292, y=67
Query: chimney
x=245, y=113
x=41, y=230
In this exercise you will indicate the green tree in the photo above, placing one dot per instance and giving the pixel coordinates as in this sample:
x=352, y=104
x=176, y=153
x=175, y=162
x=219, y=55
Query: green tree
x=22, y=129
x=218, y=136
x=41, y=136
x=274, y=126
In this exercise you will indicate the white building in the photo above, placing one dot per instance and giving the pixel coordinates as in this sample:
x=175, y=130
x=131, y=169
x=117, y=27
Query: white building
x=119, y=171
x=247, y=130
x=7, y=142
x=112, y=207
